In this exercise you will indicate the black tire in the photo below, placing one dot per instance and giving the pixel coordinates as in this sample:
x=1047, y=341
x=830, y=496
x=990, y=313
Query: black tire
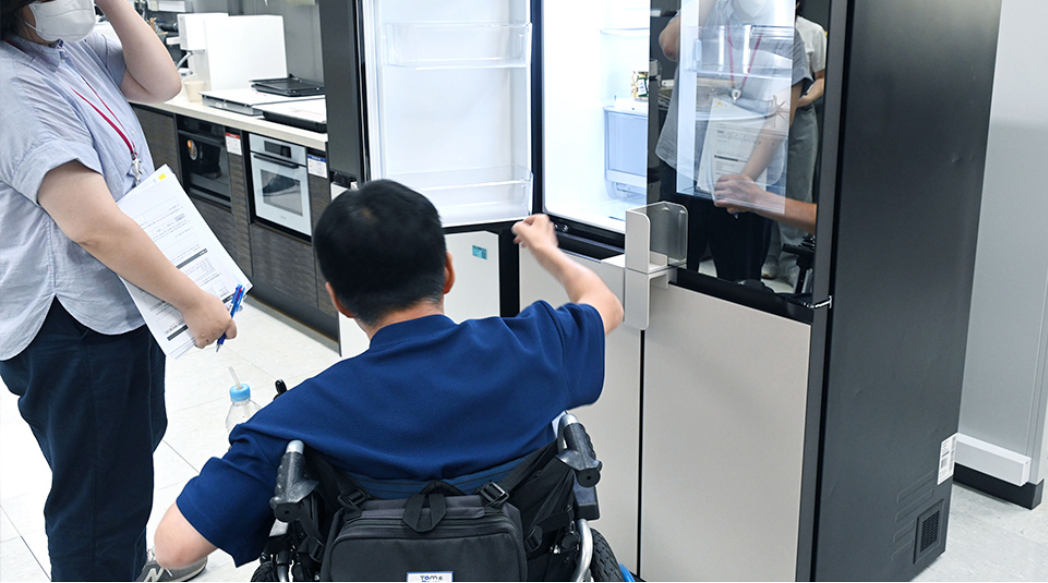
x=266, y=571
x=604, y=566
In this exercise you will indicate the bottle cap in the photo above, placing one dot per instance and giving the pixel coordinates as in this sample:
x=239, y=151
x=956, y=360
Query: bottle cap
x=240, y=393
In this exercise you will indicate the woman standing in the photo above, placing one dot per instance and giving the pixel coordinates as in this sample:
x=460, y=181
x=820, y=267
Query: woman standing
x=89, y=376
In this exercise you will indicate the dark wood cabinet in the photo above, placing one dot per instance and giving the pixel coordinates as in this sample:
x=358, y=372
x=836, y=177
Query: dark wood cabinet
x=220, y=221
x=284, y=263
x=240, y=198
x=161, y=135
x=319, y=198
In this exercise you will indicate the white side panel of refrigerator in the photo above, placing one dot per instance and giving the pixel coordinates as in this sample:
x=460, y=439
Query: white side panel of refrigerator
x=448, y=103
x=613, y=422
x=595, y=65
x=474, y=295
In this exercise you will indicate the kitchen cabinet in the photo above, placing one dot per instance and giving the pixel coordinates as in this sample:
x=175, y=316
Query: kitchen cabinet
x=161, y=135
x=239, y=188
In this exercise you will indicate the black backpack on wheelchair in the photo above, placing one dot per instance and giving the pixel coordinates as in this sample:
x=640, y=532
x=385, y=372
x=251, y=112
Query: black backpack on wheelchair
x=532, y=525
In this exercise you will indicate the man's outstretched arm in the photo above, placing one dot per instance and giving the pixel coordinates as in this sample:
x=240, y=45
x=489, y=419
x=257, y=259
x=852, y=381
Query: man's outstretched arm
x=582, y=284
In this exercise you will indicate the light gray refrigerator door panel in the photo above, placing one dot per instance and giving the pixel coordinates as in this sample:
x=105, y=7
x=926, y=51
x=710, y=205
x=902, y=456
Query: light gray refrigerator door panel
x=613, y=422
x=725, y=391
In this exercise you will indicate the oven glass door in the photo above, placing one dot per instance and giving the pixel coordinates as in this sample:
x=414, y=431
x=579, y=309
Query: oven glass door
x=205, y=167
x=281, y=192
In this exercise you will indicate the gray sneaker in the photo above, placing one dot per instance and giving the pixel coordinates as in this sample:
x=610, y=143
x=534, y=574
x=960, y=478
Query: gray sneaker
x=154, y=572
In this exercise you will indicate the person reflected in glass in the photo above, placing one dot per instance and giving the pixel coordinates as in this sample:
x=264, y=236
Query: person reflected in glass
x=738, y=243
x=803, y=152
x=737, y=194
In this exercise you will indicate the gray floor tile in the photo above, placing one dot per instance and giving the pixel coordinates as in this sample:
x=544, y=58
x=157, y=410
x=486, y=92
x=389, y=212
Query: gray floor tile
x=26, y=511
x=37, y=543
x=7, y=528
x=282, y=351
x=17, y=563
x=977, y=549
x=1031, y=524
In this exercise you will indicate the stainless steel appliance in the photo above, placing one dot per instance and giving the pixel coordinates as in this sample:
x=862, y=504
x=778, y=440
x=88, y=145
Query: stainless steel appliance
x=205, y=162
x=244, y=101
x=281, y=183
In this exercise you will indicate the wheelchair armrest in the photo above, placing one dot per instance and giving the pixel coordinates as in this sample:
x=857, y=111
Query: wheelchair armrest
x=586, y=504
x=292, y=485
x=577, y=451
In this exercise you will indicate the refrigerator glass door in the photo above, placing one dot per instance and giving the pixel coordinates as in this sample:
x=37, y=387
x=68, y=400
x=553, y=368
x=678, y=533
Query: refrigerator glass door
x=448, y=103
x=595, y=109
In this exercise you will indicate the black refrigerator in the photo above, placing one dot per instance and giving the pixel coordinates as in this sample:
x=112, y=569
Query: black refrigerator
x=497, y=109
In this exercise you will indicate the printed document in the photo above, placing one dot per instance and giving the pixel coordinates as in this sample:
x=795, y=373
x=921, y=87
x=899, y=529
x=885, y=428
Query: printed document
x=161, y=207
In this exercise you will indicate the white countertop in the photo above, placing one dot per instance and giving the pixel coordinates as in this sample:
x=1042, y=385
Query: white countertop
x=182, y=106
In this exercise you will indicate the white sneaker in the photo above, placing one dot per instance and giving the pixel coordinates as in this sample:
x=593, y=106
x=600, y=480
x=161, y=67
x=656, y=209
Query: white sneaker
x=154, y=572
x=770, y=269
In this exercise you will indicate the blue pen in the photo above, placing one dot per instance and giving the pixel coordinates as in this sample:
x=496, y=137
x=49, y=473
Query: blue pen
x=238, y=296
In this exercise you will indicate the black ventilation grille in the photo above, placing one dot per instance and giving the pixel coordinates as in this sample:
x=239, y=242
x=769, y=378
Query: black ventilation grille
x=929, y=531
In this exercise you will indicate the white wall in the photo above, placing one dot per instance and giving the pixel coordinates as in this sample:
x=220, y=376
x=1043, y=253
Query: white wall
x=1005, y=386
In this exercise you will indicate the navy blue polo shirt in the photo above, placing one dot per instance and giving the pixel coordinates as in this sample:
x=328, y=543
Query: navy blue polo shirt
x=428, y=400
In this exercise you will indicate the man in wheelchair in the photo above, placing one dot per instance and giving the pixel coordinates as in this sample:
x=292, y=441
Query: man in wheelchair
x=429, y=400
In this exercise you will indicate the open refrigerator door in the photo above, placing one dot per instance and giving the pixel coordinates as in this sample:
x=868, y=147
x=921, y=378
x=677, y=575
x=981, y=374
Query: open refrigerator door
x=449, y=103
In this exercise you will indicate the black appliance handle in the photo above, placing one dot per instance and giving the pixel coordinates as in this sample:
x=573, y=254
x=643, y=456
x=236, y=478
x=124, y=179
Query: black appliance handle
x=204, y=139
x=276, y=161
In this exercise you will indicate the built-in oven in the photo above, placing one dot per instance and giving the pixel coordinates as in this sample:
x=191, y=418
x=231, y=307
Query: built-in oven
x=205, y=163
x=281, y=183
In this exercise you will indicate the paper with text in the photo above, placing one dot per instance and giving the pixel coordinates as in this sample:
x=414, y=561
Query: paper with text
x=161, y=207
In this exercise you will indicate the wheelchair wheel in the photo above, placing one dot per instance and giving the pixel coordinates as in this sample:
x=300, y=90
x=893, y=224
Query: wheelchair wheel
x=604, y=566
x=266, y=571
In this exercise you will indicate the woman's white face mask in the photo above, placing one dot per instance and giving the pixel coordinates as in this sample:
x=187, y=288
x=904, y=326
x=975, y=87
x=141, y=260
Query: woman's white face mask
x=67, y=20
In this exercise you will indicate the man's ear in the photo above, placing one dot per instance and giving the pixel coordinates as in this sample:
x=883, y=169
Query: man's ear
x=334, y=301
x=449, y=274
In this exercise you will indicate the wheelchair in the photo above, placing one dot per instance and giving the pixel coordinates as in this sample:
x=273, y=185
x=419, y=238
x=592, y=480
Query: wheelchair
x=556, y=497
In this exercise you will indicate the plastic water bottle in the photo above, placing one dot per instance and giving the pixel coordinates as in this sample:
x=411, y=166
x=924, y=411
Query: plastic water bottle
x=242, y=407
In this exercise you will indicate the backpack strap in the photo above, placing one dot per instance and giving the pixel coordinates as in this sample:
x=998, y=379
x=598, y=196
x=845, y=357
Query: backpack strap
x=349, y=494
x=497, y=493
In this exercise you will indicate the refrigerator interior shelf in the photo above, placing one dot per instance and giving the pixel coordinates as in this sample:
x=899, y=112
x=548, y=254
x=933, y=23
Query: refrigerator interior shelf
x=633, y=32
x=482, y=195
x=457, y=45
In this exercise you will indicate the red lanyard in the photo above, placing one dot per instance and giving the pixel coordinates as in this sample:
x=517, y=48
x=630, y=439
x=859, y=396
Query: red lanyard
x=116, y=125
x=731, y=61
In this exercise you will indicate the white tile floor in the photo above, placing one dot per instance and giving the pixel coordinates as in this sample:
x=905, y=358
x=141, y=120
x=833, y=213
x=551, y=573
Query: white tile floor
x=271, y=346
x=988, y=540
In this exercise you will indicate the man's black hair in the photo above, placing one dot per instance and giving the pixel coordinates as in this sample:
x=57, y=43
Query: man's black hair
x=11, y=21
x=382, y=249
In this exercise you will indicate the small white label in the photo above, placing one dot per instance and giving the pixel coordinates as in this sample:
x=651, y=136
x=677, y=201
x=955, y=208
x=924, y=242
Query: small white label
x=439, y=576
x=316, y=165
x=947, y=456
x=233, y=145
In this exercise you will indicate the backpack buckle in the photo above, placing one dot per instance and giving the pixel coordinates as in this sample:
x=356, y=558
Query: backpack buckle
x=353, y=500
x=494, y=494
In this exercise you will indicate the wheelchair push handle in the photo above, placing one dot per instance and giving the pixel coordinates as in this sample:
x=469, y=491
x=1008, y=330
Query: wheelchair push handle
x=576, y=450
x=292, y=485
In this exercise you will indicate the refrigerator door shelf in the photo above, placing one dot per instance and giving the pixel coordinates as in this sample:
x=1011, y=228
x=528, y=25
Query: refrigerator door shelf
x=457, y=46
x=475, y=196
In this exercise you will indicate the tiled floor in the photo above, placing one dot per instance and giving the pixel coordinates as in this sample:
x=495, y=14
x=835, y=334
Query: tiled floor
x=988, y=540
x=270, y=346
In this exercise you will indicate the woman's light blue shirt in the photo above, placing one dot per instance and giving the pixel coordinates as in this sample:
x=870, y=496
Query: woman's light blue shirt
x=44, y=124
